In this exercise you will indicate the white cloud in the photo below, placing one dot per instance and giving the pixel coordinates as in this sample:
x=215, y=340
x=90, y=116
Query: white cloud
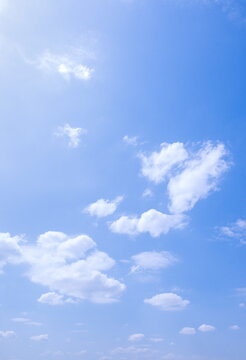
x=7, y=334
x=152, y=260
x=73, y=134
x=131, y=140
x=136, y=337
x=157, y=165
x=9, y=249
x=53, y=298
x=168, y=302
x=102, y=207
x=70, y=266
x=40, y=337
x=157, y=340
x=198, y=179
x=147, y=193
x=235, y=327
x=206, y=328
x=26, y=321
x=68, y=65
x=151, y=221
x=188, y=331
x=236, y=230
x=130, y=350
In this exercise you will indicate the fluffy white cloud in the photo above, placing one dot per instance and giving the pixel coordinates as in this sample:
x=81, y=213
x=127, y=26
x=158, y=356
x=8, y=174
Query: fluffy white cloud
x=73, y=134
x=7, y=334
x=198, y=179
x=66, y=65
x=236, y=230
x=151, y=221
x=39, y=337
x=168, y=302
x=102, y=207
x=70, y=266
x=188, y=331
x=152, y=260
x=136, y=337
x=9, y=249
x=157, y=165
x=130, y=140
x=206, y=328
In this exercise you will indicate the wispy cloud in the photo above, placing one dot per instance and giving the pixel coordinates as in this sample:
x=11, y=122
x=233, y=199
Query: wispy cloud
x=73, y=134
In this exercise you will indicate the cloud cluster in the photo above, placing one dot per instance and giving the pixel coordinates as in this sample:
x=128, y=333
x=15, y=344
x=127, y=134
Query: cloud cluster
x=168, y=302
x=234, y=231
x=191, y=175
x=102, y=207
x=152, y=221
x=71, y=267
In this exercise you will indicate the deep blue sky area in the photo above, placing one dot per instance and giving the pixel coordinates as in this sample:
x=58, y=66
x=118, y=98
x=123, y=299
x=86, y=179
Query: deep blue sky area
x=122, y=187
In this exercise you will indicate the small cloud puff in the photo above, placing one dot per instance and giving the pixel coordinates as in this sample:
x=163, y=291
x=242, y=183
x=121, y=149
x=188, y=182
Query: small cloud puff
x=103, y=208
x=136, y=337
x=73, y=134
x=168, y=302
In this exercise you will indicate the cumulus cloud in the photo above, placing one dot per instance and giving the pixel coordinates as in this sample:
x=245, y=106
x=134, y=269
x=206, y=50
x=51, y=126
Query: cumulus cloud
x=9, y=249
x=102, y=207
x=73, y=134
x=136, y=337
x=157, y=165
x=7, y=334
x=168, y=302
x=67, y=65
x=131, y=140
x=206, y=328
x=70, y=266
x=198, y=179
x=151, y=221
x=41, y=337
x=188, y=331
x=152, y=260
x=234, y=231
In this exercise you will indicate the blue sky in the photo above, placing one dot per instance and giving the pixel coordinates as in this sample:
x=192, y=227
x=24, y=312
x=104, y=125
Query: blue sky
x=122, y=187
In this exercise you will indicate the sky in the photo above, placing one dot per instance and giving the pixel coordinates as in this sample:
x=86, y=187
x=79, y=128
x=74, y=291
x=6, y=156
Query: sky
x=122, y=187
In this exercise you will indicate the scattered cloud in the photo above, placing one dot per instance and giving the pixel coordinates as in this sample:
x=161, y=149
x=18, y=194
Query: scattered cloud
x=70, y=266
x=41, y=337
x=102, y=207
x=136, y=337
x=234, y=231
x=157, y=165
x=26, y=321
x=206, y=328
x=67, y=65
x=130, y=350
x=53, y=298
x=241, y=292
x=73, y=134
x=235, y=327
x=133, y=141
x=151, y=221
x=156, y=339
x=147, y=193
x=168, y=302
x=152, y=260
x=188, y=331
x=9, y=249
x=7, y=334
x=198, y=179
